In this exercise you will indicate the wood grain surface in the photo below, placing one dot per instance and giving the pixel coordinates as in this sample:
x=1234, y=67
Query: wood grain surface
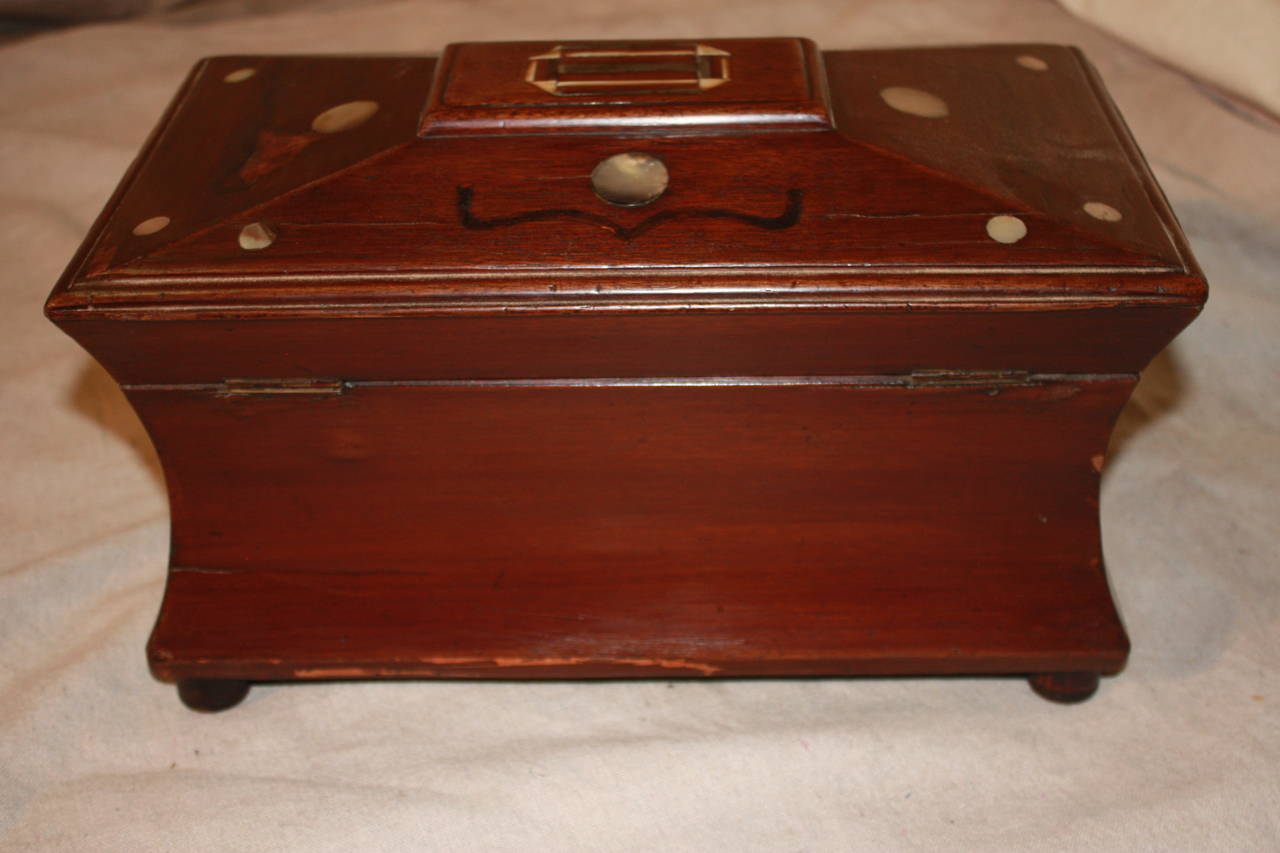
x=502, y=529
x=835, y=401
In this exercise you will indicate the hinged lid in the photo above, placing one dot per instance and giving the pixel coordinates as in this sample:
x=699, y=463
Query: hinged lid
x=705, y=175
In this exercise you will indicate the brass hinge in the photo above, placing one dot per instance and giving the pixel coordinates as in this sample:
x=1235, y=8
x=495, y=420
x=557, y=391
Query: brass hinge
x=985, y=378
x=263, y=387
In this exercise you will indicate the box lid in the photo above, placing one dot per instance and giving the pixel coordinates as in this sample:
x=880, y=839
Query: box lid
x=710, y=207
x=956, y=173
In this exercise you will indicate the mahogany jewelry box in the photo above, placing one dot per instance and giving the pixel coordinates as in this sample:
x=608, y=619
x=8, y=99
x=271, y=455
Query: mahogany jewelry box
x=719, y=357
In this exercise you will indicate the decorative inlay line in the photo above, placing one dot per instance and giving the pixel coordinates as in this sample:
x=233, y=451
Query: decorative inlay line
x=789, y=216
x=569, y=71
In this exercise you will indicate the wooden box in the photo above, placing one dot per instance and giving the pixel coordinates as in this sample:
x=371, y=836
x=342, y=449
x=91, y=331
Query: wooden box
x=689, y=358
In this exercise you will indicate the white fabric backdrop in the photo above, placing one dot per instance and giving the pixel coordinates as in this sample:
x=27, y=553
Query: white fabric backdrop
x=1178, y=753
x=1233, y=45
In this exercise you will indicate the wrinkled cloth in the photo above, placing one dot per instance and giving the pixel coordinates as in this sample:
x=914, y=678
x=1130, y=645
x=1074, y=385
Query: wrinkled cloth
x=1231, y=45
x=1180, y=752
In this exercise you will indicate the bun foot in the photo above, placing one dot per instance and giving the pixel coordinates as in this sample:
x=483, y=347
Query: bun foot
x=211, y=694
x=1065, y=687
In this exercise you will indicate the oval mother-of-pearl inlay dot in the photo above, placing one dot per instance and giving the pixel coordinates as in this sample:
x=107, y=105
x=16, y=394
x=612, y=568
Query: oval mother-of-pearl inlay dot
x=1006, y=229
x=630, y=179
x=1034, y=63
x=150, y=226
x=1102, y=210
x=344, y=116
x=255, y=236
x=240, y=75
x=914, y=102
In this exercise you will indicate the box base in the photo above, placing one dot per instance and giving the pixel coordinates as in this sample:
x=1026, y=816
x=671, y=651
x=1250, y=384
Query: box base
x=220, y=630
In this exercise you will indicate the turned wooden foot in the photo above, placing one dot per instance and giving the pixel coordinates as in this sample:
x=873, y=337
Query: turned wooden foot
x=211, y=694
x=1066, y=687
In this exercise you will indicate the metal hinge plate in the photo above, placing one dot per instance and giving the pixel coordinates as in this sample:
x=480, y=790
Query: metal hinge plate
x=986, y=378
x=264, y=387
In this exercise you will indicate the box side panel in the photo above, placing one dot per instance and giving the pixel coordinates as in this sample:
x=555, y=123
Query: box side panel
x=563, y=528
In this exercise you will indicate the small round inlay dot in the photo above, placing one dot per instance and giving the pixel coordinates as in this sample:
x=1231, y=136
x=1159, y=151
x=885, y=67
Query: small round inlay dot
x=256, y=236
x=630, y=179
x=1033, y=63
x=150, y=226
x=1102, y=210
x=916, y=102
x=1006, y=229
x=240, y=75
x=344, y=116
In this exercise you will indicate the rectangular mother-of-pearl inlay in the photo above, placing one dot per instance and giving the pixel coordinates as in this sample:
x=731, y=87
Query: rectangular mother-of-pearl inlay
x=566, y=87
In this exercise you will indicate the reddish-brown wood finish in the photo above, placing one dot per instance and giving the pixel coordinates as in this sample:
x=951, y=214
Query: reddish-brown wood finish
x=491, y=529
x=584, y=345
x=483, y=88
x=457, y=416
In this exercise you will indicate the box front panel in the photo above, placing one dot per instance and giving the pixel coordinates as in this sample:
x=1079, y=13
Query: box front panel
x=718, y=522
x=659, y=342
